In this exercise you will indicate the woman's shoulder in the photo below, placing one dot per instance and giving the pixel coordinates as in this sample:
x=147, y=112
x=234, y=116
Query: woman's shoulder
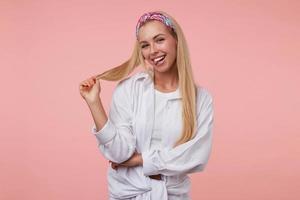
x=134, y=77
x=130, y=82
x=203, y=91
x=204, y=96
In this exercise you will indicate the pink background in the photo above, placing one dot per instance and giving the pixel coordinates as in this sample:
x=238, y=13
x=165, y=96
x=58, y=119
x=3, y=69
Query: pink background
x=246, y=53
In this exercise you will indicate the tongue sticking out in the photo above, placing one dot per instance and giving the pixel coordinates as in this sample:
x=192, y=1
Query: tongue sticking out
x=160, y=60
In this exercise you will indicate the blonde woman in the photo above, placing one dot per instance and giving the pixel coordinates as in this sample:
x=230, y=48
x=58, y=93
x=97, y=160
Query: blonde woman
x=159, y=127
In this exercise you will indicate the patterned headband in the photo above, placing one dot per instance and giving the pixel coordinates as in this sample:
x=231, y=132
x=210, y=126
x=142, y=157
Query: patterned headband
x=154, y=16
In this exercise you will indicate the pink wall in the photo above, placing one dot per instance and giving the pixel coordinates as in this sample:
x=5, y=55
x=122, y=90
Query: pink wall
x=245, y=52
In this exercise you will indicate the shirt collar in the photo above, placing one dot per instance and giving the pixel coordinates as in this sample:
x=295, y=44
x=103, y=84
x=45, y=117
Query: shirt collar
x=148, y=83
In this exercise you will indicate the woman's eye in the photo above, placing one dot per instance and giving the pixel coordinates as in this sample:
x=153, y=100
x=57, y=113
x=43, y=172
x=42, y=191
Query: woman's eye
x=159, y=40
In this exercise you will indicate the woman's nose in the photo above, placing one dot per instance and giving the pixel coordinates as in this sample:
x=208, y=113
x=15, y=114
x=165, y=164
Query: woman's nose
x=153, y=49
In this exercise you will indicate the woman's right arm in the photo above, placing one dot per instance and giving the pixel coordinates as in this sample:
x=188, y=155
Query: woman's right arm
x=98, y=114
x=116, y=140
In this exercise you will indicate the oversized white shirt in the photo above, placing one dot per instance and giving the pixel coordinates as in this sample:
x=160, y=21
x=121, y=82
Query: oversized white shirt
x=129, y=127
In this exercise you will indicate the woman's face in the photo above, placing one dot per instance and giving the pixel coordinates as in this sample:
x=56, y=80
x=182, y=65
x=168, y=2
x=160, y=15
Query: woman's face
x=158, y=46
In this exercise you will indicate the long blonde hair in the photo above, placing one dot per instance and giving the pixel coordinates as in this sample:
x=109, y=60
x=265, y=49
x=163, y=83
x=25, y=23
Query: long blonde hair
x=187, y=86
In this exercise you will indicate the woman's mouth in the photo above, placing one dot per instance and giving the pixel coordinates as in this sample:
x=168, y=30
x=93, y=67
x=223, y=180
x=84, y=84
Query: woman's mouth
x=159, y=60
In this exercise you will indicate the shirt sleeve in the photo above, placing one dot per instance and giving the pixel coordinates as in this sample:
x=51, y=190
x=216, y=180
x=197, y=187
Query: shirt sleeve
x=188, y=157
x=116, y=140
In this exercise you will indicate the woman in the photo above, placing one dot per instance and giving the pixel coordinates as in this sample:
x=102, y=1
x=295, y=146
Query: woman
x=159, y=128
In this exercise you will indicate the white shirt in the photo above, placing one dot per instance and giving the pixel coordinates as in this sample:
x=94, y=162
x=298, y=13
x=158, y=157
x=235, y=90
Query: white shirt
x=161, y=100
x=129, y=127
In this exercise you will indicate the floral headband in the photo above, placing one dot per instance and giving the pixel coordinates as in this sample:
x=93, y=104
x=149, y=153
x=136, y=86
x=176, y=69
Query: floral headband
x=154, y=16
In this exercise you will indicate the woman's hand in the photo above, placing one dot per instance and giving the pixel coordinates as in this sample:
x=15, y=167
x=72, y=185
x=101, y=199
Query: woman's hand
x=90, y=89
x=135, y=160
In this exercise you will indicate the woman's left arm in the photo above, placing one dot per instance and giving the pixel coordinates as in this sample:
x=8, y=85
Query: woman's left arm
x=189, y=157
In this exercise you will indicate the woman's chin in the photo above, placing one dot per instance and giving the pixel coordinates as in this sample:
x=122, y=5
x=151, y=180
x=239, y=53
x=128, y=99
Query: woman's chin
x=165, y=67
x=162, y=68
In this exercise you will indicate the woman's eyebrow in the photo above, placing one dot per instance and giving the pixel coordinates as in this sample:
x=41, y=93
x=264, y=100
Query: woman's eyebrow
x=153, y=37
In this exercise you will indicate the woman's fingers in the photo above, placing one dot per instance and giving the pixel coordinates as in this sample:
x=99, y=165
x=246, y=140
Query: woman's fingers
x=91, y=82
x=89, y=89
x=88, y=82
x=82, y=85
x=114, y=165
x=94, y=79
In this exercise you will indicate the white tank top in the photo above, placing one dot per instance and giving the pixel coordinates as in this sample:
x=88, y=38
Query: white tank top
x=161, y=99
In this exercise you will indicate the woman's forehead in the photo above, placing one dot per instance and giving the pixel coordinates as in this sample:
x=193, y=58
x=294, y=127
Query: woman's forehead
x=151, y=29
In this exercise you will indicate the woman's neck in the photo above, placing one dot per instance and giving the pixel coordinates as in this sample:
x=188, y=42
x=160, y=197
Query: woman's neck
x=167, y=81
